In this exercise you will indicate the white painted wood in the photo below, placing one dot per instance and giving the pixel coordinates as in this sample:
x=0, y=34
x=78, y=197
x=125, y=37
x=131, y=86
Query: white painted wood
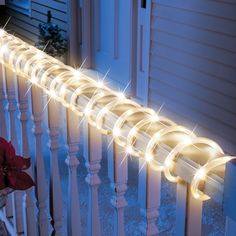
x=3, y=125
x=118, y=173
x=188, y=212
x=111, y=40
x=41, y=193
x=192, y=44
x=93, y=146
x=230, y=227
x=151, y=197
x=30, y=226
x=17, y=196
x=9, y=210
x=143, y=51
x=73, y=209
x=55, y=188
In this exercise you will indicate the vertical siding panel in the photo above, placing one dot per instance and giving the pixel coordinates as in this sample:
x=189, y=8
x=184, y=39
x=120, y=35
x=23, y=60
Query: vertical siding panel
x=192, y=66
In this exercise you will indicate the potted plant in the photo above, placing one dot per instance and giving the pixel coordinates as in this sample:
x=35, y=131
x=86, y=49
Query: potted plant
x=51, y=40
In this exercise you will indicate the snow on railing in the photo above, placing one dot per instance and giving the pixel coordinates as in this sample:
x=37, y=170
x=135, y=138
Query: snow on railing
x=196, y=164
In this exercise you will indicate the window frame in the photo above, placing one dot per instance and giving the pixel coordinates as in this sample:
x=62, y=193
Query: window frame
x=22, y=7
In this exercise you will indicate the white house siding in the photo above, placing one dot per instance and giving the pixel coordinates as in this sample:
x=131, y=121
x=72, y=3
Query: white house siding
x=27, y=26
x=193, y=65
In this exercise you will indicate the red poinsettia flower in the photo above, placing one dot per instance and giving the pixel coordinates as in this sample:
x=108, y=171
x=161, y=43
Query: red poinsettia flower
x=12, y=168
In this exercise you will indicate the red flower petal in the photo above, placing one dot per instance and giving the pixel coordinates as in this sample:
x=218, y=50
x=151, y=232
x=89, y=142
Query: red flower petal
x=19, y=163
x=10, y=153
x=19, y=180
x=2, y=182
x=3, y=148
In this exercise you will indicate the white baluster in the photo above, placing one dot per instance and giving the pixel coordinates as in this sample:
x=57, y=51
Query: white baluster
x=93, y=147
x=230, y=227
x=3, y=125
x=17, y=195
x=188, y=212
x=41, y=192
x=30, y=224
x=55, y=187
x=149, y=198
x=118, y=174
x=74, y=217
x=9, y=209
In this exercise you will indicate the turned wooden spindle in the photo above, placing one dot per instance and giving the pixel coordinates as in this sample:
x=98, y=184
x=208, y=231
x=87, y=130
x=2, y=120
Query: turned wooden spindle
x=73, y=209
x=188, y=212
x=55, y=187
x=17, y=196
x=93, y=155
x=3, y=124
x=40, y=178
x=149, y=198
x=30, y=227
x=118, y=174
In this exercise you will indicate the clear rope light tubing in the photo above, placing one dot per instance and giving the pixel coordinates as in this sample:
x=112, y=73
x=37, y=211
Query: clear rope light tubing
x=68, y=85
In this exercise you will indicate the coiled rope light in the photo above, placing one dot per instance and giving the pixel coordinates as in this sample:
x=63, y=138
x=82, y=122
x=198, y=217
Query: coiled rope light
x=68, y=85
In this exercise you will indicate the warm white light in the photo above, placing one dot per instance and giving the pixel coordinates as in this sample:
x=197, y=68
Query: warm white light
x=53, y=94
x=116, y=132
x=149, y=157
x=4, y=49
x=77, y=74
x=186, y=141
x=87, y=111
x=62, y=90
x=200, y=174
x=129, y=149
x=154, y=118
x=39, y=56
x=100, y=84
x=2, y=32
x=168, y=163
x=66, y=85
x=121, y=96
x=34, y=80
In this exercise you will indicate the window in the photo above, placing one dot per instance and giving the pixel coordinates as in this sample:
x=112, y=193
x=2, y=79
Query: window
x=23, y=6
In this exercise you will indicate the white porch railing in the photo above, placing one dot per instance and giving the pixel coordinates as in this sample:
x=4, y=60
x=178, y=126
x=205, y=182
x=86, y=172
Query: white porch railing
x=196, y=164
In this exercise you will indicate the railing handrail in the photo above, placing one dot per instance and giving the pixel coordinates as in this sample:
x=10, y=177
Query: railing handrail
x=72, y=88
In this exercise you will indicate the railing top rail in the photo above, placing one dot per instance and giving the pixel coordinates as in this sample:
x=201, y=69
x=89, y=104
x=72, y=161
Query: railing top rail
x=166, y=146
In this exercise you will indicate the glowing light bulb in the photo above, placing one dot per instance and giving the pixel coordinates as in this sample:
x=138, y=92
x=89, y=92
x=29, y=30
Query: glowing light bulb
x=129, y=149
x=33, y=80
x=100, y=84
x=133, y=131
x=4, y=49
x=105, y=110
x=168, y=163
x=53, y=94
x=148, y=157
x=154, y=118
x=62, y=90
x=187, y=141
x=87, y=111
x=77, y=74
x=200, y=174
x=39, y=56
x=116, y=132
x=121, y=96
x=2, y=32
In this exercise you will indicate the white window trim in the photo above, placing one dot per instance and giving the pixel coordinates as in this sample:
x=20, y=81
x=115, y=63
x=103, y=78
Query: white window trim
x=21, y=7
